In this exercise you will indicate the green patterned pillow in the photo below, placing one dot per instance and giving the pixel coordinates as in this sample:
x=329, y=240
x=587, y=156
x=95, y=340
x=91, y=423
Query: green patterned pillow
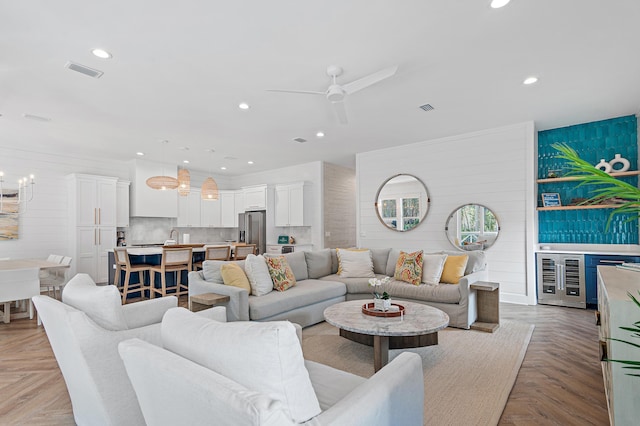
x=281, y=273
x=409, y=267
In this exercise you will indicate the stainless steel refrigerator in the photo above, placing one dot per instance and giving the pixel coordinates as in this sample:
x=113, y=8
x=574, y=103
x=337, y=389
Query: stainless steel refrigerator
x=252, y=229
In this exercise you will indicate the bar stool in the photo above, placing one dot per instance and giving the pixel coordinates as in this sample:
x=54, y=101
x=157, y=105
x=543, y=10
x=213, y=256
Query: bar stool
x=241, y=252
x=214, y=253
x=123, y=263
x=173, y=260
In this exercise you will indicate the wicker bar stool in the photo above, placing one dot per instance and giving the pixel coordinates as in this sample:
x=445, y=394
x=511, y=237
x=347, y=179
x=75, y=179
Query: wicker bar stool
x=123, y=263
x=214, y=253
x=174, y=260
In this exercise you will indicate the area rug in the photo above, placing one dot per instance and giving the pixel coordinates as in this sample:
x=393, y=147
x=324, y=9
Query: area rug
x=468, y=376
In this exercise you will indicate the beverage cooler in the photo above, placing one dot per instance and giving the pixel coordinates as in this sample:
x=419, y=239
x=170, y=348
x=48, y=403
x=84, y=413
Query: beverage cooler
x=561, y=279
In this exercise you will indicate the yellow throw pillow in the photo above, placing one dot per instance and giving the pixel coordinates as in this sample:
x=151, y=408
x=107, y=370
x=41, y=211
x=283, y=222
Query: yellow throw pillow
x=409, y=267
x=454, y=268
x=281, y=273
x=233, y=275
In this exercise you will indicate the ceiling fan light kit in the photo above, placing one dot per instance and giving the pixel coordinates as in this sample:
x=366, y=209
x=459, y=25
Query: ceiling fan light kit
x=336, y=93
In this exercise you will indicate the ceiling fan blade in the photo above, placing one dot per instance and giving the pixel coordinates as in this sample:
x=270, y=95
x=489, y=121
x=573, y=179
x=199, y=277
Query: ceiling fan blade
x=341, y=112
x=304, y=92
x=367, y=81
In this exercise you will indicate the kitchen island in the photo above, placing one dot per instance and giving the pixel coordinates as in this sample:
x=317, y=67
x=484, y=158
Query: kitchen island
x=152, y=255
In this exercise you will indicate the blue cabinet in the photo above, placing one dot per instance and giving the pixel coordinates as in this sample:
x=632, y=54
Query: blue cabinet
x=591, y=272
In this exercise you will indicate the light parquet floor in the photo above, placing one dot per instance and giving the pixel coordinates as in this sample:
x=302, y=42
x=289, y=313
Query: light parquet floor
x=560, y=382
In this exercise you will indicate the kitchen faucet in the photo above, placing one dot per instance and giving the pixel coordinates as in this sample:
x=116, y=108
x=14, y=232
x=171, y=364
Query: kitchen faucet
x=177, y=235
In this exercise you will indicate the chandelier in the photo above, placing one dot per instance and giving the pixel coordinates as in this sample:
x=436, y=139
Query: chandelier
x=15, y=200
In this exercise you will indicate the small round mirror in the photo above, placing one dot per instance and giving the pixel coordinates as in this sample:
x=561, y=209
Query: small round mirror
x=472, y=227
x=402, y=202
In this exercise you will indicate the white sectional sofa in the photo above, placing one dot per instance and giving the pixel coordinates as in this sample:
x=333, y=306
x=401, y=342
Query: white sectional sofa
x=318, y=286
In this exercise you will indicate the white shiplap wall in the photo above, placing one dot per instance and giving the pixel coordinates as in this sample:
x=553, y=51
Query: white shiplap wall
x=492, y=167
x=43, y=229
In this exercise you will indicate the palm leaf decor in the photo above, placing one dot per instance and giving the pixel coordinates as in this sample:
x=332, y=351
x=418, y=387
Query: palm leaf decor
x=608, y=190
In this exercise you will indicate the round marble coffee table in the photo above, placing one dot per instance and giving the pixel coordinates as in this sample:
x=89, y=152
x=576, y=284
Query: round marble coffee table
x=418, y=327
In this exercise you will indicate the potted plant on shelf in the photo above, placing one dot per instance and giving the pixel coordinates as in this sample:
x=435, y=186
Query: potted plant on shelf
x=614, y=191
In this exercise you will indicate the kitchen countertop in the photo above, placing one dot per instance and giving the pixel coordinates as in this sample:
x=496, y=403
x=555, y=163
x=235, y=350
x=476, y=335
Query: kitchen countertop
x=622, y=250
x=149, y=251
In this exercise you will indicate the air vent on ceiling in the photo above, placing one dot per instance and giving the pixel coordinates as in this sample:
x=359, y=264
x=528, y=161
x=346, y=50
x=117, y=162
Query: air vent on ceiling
x=426, y=107
x=35, y=117
x=83, y=69
x=300, y=140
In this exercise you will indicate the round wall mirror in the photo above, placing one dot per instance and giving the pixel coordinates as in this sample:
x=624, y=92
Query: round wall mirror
x=472, y=227
x=402, y=202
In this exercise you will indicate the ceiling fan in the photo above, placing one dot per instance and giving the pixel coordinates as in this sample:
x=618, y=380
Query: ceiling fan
x=337, y=92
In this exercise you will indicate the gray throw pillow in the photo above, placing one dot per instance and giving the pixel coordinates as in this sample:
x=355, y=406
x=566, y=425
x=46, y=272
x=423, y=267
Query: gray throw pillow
x=318, y=263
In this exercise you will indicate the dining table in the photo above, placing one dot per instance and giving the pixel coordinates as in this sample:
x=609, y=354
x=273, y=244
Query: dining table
x=18, y=264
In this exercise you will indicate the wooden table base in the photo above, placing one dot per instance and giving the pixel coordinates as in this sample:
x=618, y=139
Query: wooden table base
x=382, y=344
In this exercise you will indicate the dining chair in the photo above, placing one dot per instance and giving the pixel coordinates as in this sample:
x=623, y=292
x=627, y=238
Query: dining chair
x=241, y=252
x=174, y=260
x=50, y=280
x=214, y=253
x=123, y=263
x=18, y=284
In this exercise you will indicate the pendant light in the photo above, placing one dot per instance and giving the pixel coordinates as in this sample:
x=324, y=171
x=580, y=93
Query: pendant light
x=209, y=189
x=162, y=182
x=184, y=182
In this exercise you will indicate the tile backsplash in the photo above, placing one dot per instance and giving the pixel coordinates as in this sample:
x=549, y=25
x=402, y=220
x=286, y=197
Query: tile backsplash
x=148, y=230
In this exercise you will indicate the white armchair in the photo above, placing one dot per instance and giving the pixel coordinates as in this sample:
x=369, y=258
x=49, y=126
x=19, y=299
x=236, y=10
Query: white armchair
x=228, y=374
x=84, y=333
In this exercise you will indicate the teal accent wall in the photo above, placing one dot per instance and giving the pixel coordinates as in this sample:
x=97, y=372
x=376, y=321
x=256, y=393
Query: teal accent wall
x=593, y=141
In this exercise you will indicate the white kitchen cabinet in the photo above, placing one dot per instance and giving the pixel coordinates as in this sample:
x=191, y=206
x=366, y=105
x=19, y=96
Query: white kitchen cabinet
x=228, y=217
x=148, y=202
x=239, y=200
x=92, y=223
x=211, y=213
x=189, y=214
x=290, y=205
x=122, y=203
x=255, y=197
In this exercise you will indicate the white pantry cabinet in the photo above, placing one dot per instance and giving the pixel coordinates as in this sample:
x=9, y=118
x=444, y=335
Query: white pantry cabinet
x=290, y=205
x=231, y=204
x=92, y=223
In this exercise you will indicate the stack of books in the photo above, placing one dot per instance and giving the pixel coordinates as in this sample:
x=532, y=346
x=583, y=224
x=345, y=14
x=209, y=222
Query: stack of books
x=630, y=266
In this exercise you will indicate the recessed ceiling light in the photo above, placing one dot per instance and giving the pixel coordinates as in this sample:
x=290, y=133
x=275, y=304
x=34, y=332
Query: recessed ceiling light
x=140, y=153
x=243, y=105
x=249, y=162
x=101, y=53
x=185, y=161
x=223, y=168
x=496, y=4
x=320, y=135
x=530, y=80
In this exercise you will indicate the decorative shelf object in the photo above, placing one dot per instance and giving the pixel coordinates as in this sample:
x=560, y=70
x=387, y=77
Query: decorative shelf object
x=368, y=309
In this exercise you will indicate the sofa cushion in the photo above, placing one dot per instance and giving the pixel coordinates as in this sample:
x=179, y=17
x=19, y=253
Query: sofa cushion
x=424, y=292
x=477, y=260
x=103, y=304
x=298, y=263
x=262, y=356
x=355, y=263
x=331, y=385
x=211, y=270
x=354, y=285
x=454, y=268
x=281, y=273
x=318, y=263
x=258, y=275
x=234, y=275
x=409, y=267
x=379, y=257
x=305, y=293
x=394, y=254
x=432, y=267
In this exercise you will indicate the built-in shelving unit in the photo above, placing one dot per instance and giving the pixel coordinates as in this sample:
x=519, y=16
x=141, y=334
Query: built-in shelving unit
x=579, y=207
x=570, y=178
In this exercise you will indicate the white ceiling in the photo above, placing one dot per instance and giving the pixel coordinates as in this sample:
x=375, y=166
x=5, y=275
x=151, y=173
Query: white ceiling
x=179, y=70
